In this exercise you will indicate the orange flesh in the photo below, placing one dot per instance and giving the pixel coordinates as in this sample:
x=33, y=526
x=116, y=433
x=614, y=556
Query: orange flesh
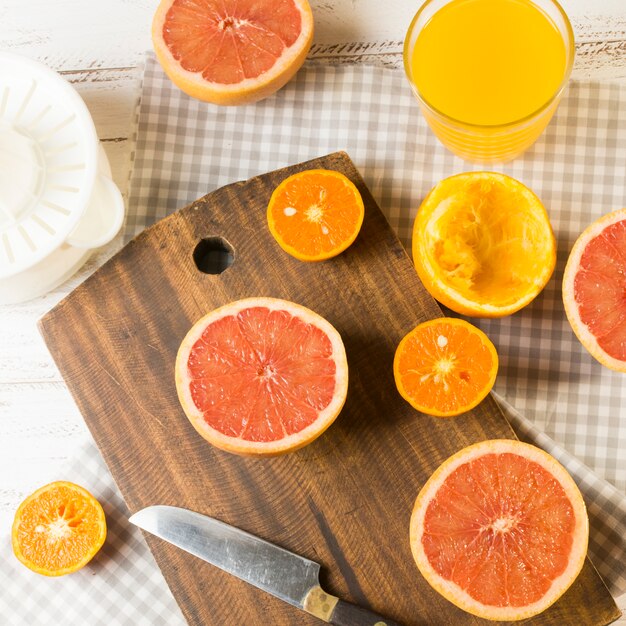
x=230, y=40
x=600, y=289
x=445, y=366
x=261, y=375
x=316, y=212
x=501, y=527
x=58, y=529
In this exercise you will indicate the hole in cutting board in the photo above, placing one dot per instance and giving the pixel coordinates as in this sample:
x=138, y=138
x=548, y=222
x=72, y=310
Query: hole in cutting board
x=213, y=255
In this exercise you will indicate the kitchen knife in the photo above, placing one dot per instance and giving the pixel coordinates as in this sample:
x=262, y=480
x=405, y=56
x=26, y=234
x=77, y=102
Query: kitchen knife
x=284, y=574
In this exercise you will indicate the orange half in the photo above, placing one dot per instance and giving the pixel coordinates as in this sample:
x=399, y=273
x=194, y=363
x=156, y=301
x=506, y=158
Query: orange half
x=445, y=367
x=483, y=244
x=316, y=214
x=58, y=529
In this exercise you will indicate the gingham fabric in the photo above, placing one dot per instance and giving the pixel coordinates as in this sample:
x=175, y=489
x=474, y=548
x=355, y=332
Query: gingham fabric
x=566, y=402
x=121, y=586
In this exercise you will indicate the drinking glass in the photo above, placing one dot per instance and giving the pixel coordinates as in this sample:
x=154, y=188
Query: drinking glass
x=488, y=143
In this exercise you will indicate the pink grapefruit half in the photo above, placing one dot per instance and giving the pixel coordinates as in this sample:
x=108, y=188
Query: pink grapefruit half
x=500, y=529
x=261, y=376
x=232, y=51
x=594, y=289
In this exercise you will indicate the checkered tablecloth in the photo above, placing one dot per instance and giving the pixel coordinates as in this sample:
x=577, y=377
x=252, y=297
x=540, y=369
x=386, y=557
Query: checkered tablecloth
x=121, y=586
x=565, y=401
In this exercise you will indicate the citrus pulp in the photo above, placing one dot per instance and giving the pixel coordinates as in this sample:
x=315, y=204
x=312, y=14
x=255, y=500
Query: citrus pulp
x=261, y=376
x=500, y=529
x=483, y=244
x=594, y=289
x=232, y=51
x=316, y=214
x=445, y=367
x=58, y=529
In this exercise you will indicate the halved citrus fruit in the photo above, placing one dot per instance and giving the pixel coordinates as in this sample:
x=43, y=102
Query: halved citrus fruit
x=262, y=376
x=232, y=51
x=483, y=244
x=58, y=529
x=500, y=530
x=316, y=214
x=594, y=289
x=445, y=367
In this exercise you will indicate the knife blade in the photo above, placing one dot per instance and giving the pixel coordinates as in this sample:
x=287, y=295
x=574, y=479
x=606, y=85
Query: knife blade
x=286, y=575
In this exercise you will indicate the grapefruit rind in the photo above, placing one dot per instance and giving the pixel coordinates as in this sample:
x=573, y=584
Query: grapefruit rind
x=450, y=590
x=430, y=275
x=462, y=409
x=287, y=444
x=580, y=329
x=247, y=91
x=17, y=548
x=293, y=251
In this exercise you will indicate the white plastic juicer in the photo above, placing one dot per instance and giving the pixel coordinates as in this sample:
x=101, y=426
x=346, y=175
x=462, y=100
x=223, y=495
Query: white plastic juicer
x=57, y=199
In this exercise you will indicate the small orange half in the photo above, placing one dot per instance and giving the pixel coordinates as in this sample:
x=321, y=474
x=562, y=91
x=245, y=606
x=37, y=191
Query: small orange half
x=316, y=214
x=58, y=529
x=445, y=367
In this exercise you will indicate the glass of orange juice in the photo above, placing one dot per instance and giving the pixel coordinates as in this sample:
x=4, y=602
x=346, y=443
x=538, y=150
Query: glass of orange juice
x=489, y=74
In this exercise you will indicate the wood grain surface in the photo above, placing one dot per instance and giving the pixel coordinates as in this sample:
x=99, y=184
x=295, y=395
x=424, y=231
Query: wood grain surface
x=345, y=500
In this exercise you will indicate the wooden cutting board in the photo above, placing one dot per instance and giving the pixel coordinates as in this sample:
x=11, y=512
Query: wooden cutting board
x=346, y=499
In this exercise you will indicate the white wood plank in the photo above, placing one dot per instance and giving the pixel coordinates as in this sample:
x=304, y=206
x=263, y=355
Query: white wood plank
x=90, y=34
x=41, y=429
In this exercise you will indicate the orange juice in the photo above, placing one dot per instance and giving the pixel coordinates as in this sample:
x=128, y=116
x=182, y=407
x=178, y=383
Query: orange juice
x=485, y=65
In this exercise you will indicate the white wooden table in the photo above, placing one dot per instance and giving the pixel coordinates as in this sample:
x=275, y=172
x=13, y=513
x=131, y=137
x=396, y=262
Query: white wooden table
x=98, y=46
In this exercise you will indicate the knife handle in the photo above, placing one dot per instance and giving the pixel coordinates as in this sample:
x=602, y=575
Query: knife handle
x=346, y=614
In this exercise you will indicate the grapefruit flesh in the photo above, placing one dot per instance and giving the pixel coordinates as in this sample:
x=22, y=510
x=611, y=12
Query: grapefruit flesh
x=261, y=376
x=232, y=51
x=594, y=289
x=500, y=530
